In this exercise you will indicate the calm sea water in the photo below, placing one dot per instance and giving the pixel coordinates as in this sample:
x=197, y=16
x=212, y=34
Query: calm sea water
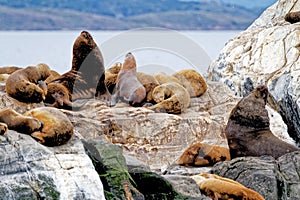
x=154, y=50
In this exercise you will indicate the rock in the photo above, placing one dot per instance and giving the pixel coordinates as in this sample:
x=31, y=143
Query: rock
x=266, y=53
x=123, y=183
x=29, y=169
x=273, y=179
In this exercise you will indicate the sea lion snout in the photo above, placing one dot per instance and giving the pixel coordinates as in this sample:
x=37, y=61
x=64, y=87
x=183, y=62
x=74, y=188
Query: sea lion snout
x=263, y=92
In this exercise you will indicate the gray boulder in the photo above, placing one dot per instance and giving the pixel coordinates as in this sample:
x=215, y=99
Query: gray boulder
x=273, y=179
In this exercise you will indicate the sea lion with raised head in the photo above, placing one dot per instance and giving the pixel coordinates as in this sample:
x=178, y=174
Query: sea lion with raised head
x=27, y=85
x=248, y=129
x=86, y=78
x=128, y=88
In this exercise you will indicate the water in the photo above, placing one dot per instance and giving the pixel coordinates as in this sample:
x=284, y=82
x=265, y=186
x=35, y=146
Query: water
x=154, y=50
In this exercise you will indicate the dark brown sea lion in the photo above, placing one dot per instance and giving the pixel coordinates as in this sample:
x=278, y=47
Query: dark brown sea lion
x=57, y=128
x=216, y=187
x=27, y=85
x=292, y=17
x=128, y=87
x=248, y=129
x=203, y=154
x=58, y=96
x=86, y=77
x=18, y=122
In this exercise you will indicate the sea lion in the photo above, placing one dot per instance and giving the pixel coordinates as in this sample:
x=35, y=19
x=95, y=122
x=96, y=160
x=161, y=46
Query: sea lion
x=9, y=69
x=162, y=78
x=171, y=98
x=248, y=129
x=53, y=75
x=128, y=87
x=3, y=128
x=217, y=187
x=57, y=128
x=192, y=81
x=16, y=121
x=27, y=85
x=86, y=77
x=149, y=82
x=202, y=154
x=58, y=96
x=292, y=17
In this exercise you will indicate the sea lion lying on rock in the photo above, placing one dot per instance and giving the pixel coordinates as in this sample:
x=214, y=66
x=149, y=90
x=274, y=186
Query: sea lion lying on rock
x=16, y=121
x=217, y=187
x=57, y=129
x=149, y=82
x=128, y=88
x=202, y=154
x=27, y=85
x=192, y=81
x=248, y=129
x=171, y=98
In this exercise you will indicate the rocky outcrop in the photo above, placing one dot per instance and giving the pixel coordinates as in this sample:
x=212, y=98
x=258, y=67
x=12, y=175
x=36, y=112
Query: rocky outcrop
x=266, y=53
x=273, y=179
x=29, y=169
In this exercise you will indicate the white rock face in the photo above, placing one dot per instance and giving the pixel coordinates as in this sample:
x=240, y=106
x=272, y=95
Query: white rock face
x=29, y=169
x=266, y=53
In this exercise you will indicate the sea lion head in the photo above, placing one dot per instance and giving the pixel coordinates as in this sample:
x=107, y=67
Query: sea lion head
x=261, y=92
x=129, y=62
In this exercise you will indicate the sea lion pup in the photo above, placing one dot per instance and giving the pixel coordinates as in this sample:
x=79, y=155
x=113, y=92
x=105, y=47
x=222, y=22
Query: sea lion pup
x=57, y=128
x=149, y=82
x=171, y=98
x=217, y=187
x=128, y=87
x=202, y=154
x=86, y=78
x=248, y=129
x=192, y=81
x=27, y=85
x=292, y=17
x=16, y=121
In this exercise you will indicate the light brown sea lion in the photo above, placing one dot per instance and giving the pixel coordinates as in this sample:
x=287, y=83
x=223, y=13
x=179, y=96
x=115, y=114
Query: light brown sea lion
x=162, y=78
x=292, y=17
x=111, y=75
x=9, y=69
x=16, y=121
x=128, y=87
x=248, y=129
x=86, y=77
x=57, y=128
x=192, y=81
x=149, y=82
x=217, y=187
x=202, y=154
x=27, y=85
x=3, y=128
x=171, y=98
